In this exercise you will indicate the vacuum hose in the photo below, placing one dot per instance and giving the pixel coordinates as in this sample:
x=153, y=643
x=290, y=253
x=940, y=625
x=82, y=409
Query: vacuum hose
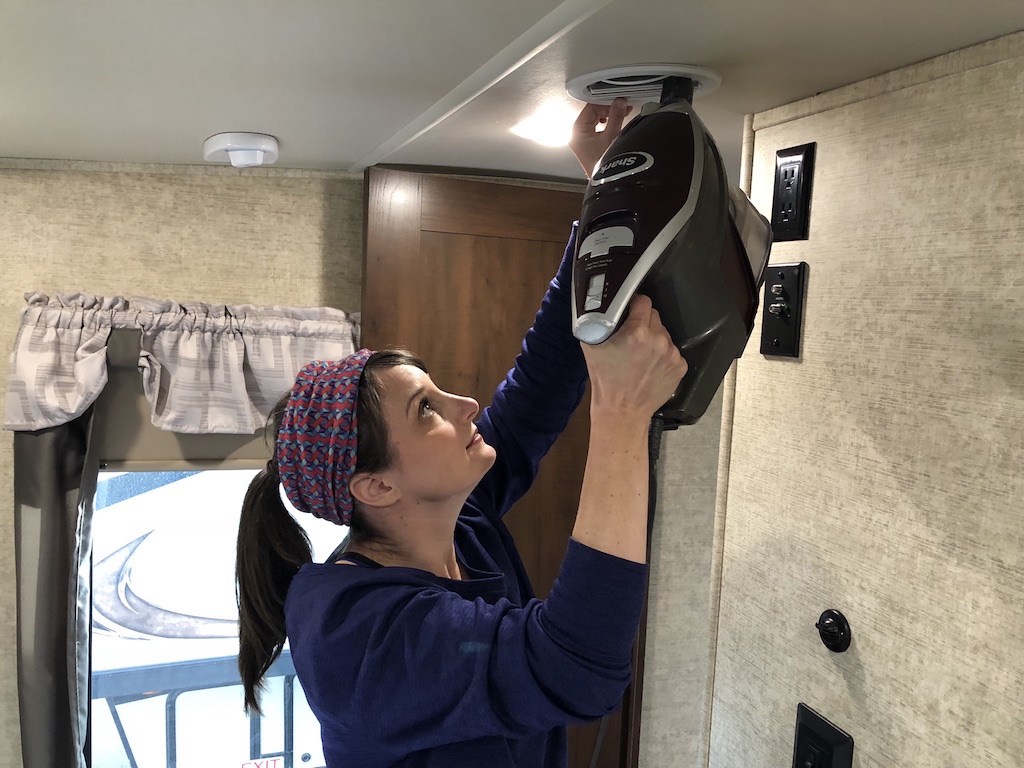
x=654, y=452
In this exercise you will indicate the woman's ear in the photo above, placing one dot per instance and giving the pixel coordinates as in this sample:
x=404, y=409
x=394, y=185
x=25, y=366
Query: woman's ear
x=371, y=490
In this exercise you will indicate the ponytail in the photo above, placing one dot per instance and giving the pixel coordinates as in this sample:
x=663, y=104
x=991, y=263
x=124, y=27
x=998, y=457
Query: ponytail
x=271, y=548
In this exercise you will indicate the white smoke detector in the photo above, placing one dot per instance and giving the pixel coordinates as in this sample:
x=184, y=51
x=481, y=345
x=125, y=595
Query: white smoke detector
x=242, y=150
x=637, y=82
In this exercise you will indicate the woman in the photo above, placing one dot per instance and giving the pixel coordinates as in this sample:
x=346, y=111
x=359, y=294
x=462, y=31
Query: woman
x=423, y=644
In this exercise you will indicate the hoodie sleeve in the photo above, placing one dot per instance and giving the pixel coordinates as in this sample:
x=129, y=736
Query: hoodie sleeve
x=532, y=405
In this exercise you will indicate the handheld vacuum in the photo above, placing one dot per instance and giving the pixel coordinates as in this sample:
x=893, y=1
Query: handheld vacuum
x=659, y=217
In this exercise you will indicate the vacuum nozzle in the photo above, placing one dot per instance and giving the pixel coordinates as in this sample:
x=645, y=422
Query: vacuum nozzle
x=677, y=89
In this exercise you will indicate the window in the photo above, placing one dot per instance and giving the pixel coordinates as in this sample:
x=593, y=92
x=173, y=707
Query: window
x=165, y=686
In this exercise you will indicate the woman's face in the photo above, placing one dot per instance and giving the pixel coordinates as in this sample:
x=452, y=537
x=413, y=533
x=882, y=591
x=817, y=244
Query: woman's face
x=438, y=452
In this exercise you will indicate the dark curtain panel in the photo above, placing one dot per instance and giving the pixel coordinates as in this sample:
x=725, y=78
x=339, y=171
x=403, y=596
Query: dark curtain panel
x=53, y=491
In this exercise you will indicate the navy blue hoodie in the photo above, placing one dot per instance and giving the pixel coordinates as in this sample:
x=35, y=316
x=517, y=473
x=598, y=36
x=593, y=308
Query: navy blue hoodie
x=404, y=668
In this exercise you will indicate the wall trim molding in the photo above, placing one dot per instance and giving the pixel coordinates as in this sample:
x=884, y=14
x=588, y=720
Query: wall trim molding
x=92, y=166
x=722, y=485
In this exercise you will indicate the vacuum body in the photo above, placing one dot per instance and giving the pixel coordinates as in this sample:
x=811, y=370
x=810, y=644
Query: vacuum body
x=659, y=218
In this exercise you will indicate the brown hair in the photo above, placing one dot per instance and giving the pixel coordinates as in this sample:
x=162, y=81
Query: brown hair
x=272, y=546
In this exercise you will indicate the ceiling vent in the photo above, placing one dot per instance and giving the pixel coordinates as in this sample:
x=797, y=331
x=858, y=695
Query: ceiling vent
x=637, y=82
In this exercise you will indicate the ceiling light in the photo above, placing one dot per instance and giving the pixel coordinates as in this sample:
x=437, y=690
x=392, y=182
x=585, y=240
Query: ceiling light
x=244, y=150
x=550, y=125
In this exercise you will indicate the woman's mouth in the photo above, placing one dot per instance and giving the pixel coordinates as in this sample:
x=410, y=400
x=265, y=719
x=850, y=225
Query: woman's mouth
x=476, y=439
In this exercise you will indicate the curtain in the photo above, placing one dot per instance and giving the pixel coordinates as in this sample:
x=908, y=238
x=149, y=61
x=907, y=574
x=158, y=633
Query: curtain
x=53, y=688
x=205, y=369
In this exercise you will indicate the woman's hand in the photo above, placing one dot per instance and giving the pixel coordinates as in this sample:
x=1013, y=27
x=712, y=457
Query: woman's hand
x=638, y=369
x=588, y=143
x=632, y=374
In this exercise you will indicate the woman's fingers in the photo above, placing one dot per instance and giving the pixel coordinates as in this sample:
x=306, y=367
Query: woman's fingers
x=642, y=312
x=640, y=309
x=588, y=143
x=616, y=114
x=589, y=118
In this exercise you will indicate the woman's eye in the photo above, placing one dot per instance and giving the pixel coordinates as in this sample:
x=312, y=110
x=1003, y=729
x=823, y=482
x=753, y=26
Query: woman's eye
x=425, y=407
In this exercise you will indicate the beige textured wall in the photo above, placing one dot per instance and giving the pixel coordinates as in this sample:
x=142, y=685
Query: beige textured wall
x=682, y=599
x=881, y=474
x=206, y=234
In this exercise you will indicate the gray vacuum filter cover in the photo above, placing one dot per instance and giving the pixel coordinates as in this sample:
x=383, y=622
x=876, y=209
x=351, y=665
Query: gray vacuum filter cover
x=754, y=230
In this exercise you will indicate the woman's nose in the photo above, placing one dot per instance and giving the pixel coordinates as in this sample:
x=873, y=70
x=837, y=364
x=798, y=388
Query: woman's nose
x=470, y=408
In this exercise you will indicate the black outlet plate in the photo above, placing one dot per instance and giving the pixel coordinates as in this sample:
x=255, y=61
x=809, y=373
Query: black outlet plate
x=818, y=743
x=791, y=207
x=782, y=310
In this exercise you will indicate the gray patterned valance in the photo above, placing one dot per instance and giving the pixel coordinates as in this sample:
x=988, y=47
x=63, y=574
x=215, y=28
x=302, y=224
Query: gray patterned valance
x=205, y=368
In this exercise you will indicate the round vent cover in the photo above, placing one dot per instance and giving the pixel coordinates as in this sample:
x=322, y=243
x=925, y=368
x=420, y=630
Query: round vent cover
x=637, y=82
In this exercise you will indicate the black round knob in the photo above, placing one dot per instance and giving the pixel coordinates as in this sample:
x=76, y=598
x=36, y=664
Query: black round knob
x=834, y=630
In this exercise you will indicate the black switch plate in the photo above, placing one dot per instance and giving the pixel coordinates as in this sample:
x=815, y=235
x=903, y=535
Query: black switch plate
x=791, y=207
x=818, y=743
x=782, y=311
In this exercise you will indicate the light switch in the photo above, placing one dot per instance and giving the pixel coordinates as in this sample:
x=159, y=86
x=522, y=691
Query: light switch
x=782, y=319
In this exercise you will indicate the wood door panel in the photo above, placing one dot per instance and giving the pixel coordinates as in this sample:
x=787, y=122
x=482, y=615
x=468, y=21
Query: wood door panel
x=392, y=242
x=484, y=292
x=498, y=210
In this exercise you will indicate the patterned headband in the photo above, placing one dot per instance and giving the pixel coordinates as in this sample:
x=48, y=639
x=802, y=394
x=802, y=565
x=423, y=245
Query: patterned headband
x=316, y=445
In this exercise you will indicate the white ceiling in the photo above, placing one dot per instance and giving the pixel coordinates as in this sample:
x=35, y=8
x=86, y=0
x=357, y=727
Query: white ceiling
x=349, y=83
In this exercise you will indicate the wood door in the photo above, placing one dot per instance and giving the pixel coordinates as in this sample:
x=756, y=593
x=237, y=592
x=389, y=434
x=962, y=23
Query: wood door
x=454, y=270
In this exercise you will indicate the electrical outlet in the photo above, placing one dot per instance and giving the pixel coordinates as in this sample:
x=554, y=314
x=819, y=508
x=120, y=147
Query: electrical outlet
x=818, y=743
x=791, y=208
